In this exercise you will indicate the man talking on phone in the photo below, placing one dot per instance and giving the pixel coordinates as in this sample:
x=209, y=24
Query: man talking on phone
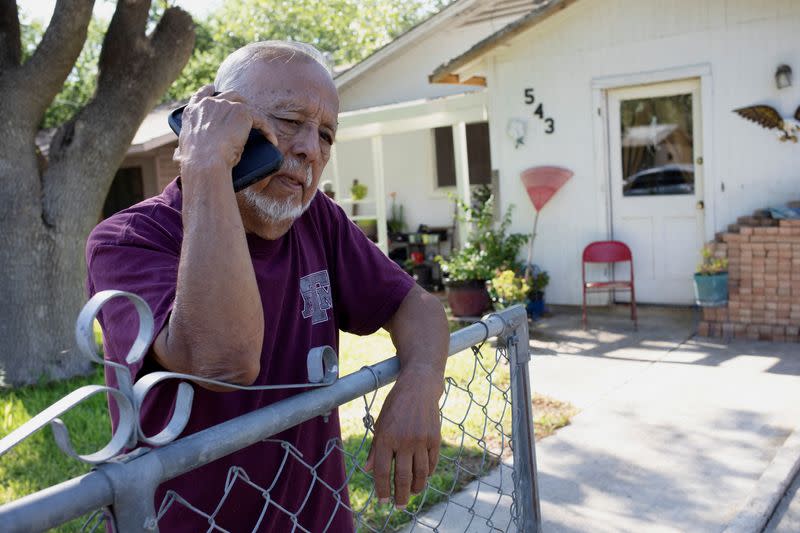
x=243, y=284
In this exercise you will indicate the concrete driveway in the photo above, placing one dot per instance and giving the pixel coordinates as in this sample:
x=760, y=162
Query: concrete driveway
x=673, y=431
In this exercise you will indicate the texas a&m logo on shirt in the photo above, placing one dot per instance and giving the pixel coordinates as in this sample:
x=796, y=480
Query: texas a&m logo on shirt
x=316, y=292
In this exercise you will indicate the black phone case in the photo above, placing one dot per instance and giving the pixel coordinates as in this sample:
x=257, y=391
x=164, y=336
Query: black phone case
x=260, y=158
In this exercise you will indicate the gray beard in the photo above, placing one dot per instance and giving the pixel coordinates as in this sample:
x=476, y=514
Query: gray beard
x=279, y=210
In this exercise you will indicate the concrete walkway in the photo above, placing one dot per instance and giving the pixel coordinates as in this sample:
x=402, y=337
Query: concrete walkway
x=673, y=431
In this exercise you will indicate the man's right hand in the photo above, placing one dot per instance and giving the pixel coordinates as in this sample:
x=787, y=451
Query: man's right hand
x=215, y=129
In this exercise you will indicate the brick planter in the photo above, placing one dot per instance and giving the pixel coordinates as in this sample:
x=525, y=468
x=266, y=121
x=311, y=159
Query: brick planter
x=763, y=285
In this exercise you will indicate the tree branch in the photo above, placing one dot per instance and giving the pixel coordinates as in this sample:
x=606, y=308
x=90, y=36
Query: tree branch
x=56, y=54
x=10, y=43
x=125, y=38
x=134, y=72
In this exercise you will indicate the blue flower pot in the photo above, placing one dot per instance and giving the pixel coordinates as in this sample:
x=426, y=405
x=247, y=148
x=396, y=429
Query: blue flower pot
x=535, y=308
x=711, y=291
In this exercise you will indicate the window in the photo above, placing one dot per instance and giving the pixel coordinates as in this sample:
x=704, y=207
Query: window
x=478, y=155
x=445, y=157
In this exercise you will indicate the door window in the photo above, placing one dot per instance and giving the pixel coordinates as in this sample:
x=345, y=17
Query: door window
x=657, y=146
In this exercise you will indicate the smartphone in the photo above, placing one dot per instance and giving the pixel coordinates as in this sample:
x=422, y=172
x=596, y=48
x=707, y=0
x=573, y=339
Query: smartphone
x=260, y=158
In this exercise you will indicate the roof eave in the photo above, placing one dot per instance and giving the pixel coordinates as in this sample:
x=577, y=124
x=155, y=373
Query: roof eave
x=449, y=72
x=396, y=45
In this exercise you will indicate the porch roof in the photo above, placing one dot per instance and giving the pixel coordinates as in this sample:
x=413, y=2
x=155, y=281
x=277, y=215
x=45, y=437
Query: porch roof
x=412, y=116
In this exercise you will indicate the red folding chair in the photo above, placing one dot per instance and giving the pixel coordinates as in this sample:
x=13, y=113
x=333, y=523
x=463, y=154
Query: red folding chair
x=608, y=252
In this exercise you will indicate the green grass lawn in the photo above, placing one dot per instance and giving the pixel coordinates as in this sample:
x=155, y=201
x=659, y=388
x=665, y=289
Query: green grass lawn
x=481, y=411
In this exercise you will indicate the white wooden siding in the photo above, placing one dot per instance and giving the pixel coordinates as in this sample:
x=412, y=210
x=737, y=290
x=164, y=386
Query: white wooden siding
x=741, y=41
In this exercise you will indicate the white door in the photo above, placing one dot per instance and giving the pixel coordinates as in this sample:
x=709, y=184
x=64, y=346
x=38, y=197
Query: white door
x=657, y=186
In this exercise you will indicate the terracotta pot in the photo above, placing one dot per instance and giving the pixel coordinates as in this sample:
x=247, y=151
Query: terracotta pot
x=468, y=298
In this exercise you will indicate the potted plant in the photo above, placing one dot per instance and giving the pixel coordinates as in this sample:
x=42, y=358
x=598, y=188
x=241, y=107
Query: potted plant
x=487, y=249
x=711, y=279
x=537, y=280
x=507, y=289
x=395, y=224
x=358, y=191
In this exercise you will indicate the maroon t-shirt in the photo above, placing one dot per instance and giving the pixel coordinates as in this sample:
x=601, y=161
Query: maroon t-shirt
x=322, y=276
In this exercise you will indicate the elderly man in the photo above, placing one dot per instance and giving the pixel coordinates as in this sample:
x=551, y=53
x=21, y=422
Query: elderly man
x=224, y=274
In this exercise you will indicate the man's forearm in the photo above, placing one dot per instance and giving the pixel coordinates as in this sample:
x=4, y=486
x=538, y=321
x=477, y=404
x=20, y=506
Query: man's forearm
x=217, y=324
x=408, y=430
x=420, y=334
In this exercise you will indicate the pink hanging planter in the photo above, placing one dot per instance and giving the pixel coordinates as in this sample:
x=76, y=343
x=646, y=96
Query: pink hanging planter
x=541, y=183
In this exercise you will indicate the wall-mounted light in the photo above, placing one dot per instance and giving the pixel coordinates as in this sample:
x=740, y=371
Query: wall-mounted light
x=783, y=77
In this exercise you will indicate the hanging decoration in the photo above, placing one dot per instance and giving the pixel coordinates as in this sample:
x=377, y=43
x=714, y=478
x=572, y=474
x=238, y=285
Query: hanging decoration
x=541, y=183
x=769, y=118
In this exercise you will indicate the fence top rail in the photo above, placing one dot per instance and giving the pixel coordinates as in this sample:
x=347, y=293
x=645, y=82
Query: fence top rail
x=71, y=499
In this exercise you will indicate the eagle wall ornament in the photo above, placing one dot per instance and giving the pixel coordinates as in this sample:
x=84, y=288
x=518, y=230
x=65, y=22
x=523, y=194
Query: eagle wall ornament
x=769, y=118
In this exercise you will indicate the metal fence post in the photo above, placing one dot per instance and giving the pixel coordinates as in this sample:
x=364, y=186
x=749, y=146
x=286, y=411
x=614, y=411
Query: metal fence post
x=526, y=484
x=134, y=492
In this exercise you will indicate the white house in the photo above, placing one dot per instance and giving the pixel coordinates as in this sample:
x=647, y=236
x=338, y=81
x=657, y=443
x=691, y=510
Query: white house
x=636, y=97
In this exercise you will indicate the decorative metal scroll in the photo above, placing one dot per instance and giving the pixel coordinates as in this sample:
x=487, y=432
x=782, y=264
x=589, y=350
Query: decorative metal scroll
x=322, y=366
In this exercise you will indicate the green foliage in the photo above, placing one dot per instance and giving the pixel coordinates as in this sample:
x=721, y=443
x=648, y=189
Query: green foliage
x=711, y=265
x=30, y=34
x=358, y=190
x=507, y=289
x=487, y=248
x=347, y=31
x=396, y=222
x=538, y=281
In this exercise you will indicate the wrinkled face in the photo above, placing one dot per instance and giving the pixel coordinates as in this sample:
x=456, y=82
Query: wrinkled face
x=300, y=102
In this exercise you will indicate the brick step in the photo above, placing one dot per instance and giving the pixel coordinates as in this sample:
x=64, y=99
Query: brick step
x=733, y=228
x=756, y=221
x=762, y=332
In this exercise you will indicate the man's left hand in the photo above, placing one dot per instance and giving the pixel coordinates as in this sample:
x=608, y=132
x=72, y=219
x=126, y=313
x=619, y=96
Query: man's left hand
x=408, y=432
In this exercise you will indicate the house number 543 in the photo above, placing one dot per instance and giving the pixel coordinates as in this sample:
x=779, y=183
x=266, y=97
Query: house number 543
x=530, y=99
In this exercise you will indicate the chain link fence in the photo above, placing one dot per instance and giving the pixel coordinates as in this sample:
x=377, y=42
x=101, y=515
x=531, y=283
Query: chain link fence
x=485, y=479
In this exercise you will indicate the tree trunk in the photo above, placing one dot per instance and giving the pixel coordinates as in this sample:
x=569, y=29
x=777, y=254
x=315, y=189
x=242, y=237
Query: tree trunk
x=47, y=212
x=40, y=299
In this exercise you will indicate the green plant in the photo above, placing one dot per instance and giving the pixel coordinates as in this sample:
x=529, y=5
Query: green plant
x=507, y=288
x=488, y=248
x=358, y=190
x=537, y=280
x=396, y=223
x=710, y=264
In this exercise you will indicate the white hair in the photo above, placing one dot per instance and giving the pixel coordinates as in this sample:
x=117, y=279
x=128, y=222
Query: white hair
x=231, y=69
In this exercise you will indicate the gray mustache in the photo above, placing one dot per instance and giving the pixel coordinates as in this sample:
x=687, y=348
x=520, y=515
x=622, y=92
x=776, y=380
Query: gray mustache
x=295, y=166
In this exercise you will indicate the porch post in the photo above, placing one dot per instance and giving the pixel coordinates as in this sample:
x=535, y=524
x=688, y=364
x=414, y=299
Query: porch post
x=462, y=173
x=380, y=192
x=334, y=165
